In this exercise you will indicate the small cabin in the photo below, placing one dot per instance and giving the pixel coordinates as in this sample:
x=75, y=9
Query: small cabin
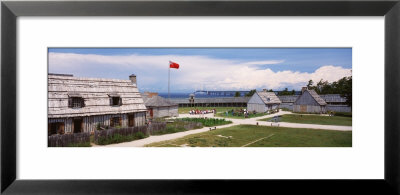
x=158, y=107
x=77, y=104
x=263, y=101
x=309, y=102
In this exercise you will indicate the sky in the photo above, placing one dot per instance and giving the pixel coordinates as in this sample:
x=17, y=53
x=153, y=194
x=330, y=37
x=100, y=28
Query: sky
x=206, y=68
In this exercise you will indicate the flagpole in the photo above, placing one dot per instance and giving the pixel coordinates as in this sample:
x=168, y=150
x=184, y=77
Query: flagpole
x=169, y=68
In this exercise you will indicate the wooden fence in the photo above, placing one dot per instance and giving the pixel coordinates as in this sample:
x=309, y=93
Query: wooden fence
x=155, y=127
x=76, y=138
x=66, y=140
x=192, y=125
x=146, y=130
x=121, y=131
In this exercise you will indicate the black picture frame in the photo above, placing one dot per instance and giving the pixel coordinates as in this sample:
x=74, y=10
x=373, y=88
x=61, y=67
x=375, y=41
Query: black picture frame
x=11, y=10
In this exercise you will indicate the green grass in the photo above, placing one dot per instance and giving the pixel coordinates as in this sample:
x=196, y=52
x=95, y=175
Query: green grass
x=185, y=110
x=85, y=144
x=272, y=137
x=240, y=117
x=208, y=122
x=118, y=138
x=178, y=124
x=314, y=119
x=286, y=109
x=175, y=127
x=346, y=114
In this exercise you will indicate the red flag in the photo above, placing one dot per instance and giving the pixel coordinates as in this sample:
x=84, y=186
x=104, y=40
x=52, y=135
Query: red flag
x=173, y=65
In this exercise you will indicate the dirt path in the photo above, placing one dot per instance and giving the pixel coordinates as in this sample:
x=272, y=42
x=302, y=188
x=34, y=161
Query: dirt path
x=249, y=121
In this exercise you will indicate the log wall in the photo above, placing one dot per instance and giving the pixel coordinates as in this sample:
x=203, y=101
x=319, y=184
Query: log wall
x=89, y=123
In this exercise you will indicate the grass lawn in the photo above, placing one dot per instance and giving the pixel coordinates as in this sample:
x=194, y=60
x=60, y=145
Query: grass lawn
x=185, y=110
x=179, y=124
x=175, y=127
x=207, y=122
x=262, y=136
x=117, y=138
x=223, y=114
x=315, y=119
x=286, y=109
x=85, y=144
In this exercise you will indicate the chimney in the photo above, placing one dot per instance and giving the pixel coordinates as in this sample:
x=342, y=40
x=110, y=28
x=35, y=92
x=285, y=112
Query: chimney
x=303, y=89
x=132, y=77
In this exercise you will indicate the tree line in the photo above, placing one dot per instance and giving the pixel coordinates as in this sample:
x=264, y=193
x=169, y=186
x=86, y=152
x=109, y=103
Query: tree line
x=343, y=87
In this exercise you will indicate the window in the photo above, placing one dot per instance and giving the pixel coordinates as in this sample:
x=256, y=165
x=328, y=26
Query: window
x=115, y=101
x=78, y=125
x=115, y=121
x=76, y=102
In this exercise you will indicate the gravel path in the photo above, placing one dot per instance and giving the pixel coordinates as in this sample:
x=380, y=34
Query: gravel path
x=250, y=121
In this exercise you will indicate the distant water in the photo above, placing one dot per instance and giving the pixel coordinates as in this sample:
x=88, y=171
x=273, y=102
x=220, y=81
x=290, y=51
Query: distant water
x=186, y=95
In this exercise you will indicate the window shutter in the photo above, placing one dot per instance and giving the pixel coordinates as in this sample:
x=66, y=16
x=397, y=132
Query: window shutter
x=82, y=102
x=111, y=103
x=70, y=102
x=120, y=101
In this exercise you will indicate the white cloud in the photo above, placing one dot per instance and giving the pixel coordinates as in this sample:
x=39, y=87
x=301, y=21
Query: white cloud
x=195, y=71
x=265, y=62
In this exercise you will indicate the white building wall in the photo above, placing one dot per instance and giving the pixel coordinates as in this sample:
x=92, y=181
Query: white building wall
x=89, y=123
x=165, y=112
x=256, y=104
x=256, y=107
x=338, y=108
x=310, y=109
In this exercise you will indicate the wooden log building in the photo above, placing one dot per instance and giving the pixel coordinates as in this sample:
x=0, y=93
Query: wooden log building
x=158, y=106
x=263, y=101
x=81, y=104
x=309, y=102
x=334, y=102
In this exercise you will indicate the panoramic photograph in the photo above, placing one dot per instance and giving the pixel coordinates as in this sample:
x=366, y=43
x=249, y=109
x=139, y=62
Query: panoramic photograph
x=199, y=97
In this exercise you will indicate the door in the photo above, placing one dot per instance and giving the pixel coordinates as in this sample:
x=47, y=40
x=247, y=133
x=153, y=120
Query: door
x=131, y=120
x=52, y=128
x=151, y=112
x=303, y=108
x=77, y=125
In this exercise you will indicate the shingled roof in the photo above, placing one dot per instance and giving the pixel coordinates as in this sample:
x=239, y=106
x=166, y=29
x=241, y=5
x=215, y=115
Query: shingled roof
x=316, y=97
x=288, y=98
x=269, y=97
x=157, y=101
x=96, y=93
x=329, y=98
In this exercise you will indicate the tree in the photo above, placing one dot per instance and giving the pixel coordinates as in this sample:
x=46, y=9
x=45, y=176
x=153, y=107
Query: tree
x=251, y=93
x=237, y=94
x=270, y=90
x=343, y=87
x=346, y=89
x=285, y=92
x=293, y=92
x=310, y=83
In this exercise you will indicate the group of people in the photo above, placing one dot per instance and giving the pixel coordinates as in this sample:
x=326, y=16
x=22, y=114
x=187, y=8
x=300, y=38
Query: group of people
x=197, y=111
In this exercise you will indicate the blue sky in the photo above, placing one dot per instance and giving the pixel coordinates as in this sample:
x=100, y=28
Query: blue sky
x=206, y=68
